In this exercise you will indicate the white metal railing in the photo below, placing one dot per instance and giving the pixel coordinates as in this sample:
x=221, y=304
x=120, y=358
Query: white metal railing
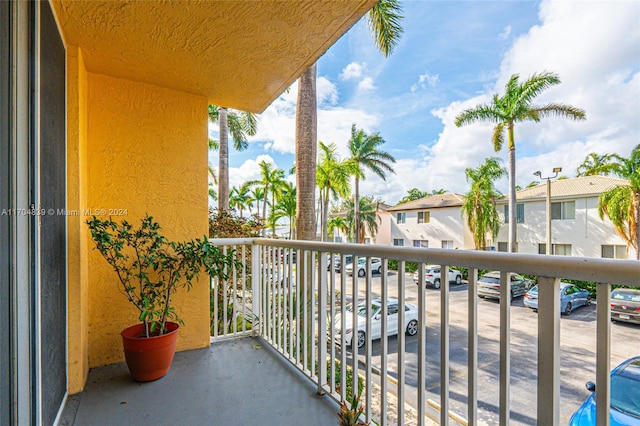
x=290, y=296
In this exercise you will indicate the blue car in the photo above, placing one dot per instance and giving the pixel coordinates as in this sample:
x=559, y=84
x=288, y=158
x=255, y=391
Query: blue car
x=624, y=398
x=571, y=297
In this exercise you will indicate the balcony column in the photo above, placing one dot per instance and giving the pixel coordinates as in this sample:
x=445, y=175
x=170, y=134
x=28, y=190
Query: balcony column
x=548, y=351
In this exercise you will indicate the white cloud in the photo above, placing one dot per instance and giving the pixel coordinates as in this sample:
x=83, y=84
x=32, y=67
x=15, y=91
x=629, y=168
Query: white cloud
x=506, y=32
x=249, y=170
x=353, y=71
x=366, y=84
x=425, y=80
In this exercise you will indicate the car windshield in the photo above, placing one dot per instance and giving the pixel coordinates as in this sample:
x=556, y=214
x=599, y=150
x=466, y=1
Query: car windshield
x=362, y=310
x=623, y=295
x=534, y=289
x=625, y=395
x=492, y=280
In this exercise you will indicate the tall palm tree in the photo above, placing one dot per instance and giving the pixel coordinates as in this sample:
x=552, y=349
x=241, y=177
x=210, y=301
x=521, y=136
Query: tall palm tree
x=593, y=164
x=512, y=107
x=271, y=180
x=366, y=215
x=384, y=22
x=479, y=205
x=286, y=207
x=240, y=124
x=365, y=154
x=622, y=203
x=332, y=177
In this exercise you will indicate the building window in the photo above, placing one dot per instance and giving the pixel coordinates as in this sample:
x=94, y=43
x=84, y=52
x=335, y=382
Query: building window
x=558, y=249
x=367, y=240
x=614, y=252
x=424, y=217
x=519, y=213
x=421, y=243
x=337, y=239
x=401, y=217
x=447, y=244
x=563, y=210
x=505, y=247
x=398, y=242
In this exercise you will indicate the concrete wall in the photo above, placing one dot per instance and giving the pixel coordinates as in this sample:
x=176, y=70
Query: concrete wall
x=445, y=224
x=132, y=149
x=586, y=233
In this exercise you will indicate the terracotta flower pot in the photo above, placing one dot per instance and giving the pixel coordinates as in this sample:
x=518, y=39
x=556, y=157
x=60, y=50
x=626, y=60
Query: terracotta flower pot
x=149, y=358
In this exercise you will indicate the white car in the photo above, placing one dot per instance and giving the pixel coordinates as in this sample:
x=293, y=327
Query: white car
x=410, y=325
x=432, y=276
x=376, y=266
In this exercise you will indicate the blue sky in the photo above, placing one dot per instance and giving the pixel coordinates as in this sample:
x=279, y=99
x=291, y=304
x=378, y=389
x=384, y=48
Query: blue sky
x=454, y=55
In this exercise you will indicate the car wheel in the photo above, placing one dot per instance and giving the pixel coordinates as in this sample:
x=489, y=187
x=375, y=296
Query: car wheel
x=588, y=301
x=361, y=272
x=436, y=283
x=458, y=280
x=412, y=328
x=512, y=296
x=567, y=310
x=361, y=339
x=379, y=269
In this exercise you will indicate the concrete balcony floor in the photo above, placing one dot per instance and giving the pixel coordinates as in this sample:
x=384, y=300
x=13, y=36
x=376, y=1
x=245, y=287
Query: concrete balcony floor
x=234, y=382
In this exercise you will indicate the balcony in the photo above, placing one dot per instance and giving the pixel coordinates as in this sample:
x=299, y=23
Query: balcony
x=277, y=342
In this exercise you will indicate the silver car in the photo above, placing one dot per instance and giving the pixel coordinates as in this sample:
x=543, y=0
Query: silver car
x=489, y=285
x=376, y=266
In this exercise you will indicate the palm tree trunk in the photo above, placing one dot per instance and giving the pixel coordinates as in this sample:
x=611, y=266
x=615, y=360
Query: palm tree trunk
x=264, y=211
x=636, y=211
x=223, y=161
x=325, y=216
x=356, y=209
x=306, y=147
x=513, y=226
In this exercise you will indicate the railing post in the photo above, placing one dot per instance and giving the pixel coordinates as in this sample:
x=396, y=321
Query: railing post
x=444, y=345
x=422, y=346
x=256, y=271
x=322, y=322
x=472, y=414
x=505, y=346
x=603, y=353
x=548, y=351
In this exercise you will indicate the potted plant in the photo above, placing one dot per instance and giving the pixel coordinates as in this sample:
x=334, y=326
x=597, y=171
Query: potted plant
x=151, y=269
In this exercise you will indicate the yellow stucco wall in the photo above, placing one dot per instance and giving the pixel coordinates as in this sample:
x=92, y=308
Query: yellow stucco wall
x=77, y=248
x=146, y=153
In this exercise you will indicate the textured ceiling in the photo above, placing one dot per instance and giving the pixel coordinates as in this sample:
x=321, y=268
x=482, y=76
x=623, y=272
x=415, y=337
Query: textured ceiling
x=240, y=54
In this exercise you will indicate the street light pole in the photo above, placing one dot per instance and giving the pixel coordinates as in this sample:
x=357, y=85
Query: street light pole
x=556, y=170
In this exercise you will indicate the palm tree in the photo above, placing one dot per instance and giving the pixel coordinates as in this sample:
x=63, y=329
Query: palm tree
x=339, y=223
x=479, y=205
x=384, y=21
x=415, y=194
x=365, y=154
x=270, y=180
x=239, y=198
x=286, y=207
x=592, y=164
x=332, y=177
x=240, y=124
x=256, y=195
x=514, y=107
x=366, y=215
x=622, y=203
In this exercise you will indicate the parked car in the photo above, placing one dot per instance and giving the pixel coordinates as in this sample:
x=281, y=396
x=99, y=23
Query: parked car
x=410, y=325
x=376, y=266
x=432, y=276
x=489, y=285
x=571, y=297
x=624, y=398
x=348, y=259
x=625, y=305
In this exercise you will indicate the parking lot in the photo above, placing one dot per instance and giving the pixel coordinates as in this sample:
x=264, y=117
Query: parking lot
x=577, y=358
